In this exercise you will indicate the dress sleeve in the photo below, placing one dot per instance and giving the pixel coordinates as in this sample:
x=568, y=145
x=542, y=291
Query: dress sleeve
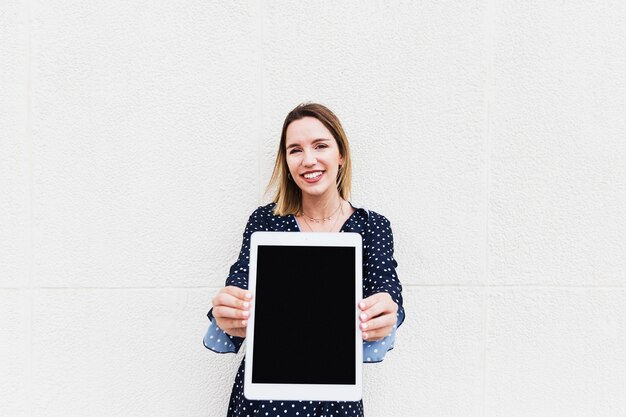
x=215, y=338
x=379, y=275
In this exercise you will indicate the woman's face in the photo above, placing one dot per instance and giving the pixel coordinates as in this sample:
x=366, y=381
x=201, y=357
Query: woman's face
x=312, y=156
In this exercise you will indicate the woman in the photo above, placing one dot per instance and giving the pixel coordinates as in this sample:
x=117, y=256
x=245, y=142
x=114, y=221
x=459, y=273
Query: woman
x=312, y=174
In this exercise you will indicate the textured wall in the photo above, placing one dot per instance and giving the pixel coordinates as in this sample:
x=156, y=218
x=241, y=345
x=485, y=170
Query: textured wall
x=137, y=136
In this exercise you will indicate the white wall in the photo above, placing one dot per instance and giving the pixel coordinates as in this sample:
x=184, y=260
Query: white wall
x=136, y=137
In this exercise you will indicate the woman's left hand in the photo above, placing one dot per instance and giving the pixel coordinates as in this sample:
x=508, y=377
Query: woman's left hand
x=379, y=315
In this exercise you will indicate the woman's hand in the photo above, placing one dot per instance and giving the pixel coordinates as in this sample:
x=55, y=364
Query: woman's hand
x=379, y=315
x=231, y=309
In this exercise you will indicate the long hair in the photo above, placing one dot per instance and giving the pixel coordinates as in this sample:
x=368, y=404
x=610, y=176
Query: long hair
x=288, y=196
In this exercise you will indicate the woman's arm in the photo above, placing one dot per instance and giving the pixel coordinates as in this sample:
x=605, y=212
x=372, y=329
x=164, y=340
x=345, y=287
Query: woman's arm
x=228, y=315
x=382, y=308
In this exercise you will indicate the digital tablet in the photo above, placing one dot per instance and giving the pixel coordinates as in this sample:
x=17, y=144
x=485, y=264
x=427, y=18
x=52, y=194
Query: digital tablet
x=303, y=335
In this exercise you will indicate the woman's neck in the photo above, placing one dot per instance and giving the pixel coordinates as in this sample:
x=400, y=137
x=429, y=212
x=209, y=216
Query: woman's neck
x=319, y=207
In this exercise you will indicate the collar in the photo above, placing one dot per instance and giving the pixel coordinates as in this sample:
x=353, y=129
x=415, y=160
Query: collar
x=359, y=207
x=289, y=223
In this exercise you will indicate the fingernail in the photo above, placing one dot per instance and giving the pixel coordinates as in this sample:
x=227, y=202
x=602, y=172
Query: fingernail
x=244, y=322
x=248, y=295
x=363, y=316
x=246, y=313
x=362, y=304
x=246, y=304
x=364, y=335
x=363, y=326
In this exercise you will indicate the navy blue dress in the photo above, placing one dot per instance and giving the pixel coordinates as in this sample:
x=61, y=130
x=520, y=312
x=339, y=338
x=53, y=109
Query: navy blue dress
x=379, y=275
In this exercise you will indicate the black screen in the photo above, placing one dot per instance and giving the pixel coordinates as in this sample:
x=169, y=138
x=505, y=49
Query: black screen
x=305, y=315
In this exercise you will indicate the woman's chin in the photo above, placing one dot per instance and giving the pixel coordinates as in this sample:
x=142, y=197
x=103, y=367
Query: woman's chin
x=316, y=190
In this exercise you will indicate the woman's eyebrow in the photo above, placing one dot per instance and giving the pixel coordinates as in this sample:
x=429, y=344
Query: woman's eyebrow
x=314, y=141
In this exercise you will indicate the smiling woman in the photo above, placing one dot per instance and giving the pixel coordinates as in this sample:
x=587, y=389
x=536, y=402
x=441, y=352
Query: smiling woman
x=312, y=175
x=312, y=142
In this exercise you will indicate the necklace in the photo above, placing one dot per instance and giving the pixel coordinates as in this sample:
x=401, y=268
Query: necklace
x=323, y=219
x=331, y=228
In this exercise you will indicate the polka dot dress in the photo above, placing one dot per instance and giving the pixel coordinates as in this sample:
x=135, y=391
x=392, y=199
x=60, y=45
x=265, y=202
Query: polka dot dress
x=379, y=275
x=241, y=406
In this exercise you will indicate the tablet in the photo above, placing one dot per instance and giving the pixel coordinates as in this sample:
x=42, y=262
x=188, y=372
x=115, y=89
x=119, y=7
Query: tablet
x=303, y=336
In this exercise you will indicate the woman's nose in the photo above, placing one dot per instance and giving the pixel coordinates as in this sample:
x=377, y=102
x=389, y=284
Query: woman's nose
x=309, y=159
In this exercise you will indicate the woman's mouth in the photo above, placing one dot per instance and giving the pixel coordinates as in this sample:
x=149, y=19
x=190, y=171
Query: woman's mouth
x=312, y=176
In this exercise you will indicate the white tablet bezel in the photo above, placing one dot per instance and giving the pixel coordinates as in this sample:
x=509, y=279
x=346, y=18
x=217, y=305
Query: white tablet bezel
x=302, y=392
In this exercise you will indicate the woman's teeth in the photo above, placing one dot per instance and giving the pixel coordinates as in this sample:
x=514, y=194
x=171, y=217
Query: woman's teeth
x=312, y=175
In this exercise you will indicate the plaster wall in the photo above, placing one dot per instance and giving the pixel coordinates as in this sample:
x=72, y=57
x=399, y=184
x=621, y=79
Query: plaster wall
x=136, y=138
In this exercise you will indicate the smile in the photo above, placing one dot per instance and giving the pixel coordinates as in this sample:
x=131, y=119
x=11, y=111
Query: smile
x=313, y=176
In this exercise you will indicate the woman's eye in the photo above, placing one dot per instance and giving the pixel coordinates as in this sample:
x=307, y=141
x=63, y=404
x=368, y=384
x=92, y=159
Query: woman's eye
x=294, y=151
x=322, y=146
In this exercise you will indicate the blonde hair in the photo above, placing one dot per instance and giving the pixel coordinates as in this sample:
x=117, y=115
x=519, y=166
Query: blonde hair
x=288, y=196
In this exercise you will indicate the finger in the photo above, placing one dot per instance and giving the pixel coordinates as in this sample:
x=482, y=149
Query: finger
x=230, y=313
x=379, y=309
x=378, y=334
x=373, y=299
x=229, y=300
x=234, y=331
x=238, y=292
x=381, y=306
x=237, y=332
x=383, y=321
x=228, y=325
x=373, y=311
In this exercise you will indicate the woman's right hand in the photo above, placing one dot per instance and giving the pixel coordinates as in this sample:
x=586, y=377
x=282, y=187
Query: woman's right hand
x=231, y=310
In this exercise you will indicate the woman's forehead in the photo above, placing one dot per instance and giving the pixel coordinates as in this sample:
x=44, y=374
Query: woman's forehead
x=307, y=129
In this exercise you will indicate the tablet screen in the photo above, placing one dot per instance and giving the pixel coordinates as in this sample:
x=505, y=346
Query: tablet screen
x=304, y=329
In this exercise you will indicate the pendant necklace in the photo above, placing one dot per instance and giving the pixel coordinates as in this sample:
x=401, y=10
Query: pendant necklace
x=323, y=219
x=327, y=218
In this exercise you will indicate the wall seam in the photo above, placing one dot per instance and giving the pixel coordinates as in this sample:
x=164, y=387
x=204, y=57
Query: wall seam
x=260, y=81
x=30, y=286
x=411, y=286
x=488, y=50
